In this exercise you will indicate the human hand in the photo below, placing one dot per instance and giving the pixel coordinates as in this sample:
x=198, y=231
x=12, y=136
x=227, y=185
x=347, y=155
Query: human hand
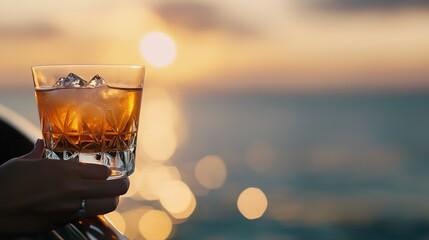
x=41, y=194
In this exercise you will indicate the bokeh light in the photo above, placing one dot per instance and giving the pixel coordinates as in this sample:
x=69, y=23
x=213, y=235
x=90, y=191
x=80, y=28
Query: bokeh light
x=182, y=216
x=158, y=49
x=157, y=138
x=177, y=198
x=252, y=203
x=134, y=183
x=155, y=225
x=160, y=147
x=153, y=179
x=211, y=172
x=132, y=218
x=117, y=220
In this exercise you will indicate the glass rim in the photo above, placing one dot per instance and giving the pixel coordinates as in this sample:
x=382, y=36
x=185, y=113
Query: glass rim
x=47, y=75
x=87, y=66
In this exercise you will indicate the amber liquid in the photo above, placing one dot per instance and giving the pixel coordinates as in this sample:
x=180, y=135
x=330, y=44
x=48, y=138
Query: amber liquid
x=79, y=121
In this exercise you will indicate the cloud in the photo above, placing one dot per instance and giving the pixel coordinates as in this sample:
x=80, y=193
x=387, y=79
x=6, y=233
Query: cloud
x=198, y=16
x=357, y=5
x=38, y=30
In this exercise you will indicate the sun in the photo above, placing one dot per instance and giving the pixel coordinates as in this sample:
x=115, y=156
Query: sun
x=158, y=49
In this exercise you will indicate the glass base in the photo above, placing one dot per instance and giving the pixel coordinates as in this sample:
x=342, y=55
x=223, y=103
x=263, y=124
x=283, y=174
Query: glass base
x=121, y=163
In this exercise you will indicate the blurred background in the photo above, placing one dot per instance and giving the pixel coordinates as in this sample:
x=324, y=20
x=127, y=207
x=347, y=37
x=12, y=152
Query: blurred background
x=276, y=119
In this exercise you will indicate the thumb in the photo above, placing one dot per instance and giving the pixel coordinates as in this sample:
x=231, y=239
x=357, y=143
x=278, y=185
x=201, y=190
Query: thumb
x=37, y=151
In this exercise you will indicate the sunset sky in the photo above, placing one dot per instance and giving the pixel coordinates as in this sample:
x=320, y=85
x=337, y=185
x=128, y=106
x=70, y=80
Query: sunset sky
x=272, y=45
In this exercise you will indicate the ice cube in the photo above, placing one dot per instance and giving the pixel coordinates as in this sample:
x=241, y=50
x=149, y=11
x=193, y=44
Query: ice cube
x=72, y=80
x=96, y=81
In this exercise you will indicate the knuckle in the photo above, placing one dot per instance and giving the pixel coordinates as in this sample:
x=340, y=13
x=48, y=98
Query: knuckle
x=98, y=171
x=104, y=170
x=113, y=203
x=123, y=186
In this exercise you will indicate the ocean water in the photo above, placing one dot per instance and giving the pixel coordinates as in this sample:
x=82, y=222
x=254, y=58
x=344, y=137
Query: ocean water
x=341, y=166
x=332, y=166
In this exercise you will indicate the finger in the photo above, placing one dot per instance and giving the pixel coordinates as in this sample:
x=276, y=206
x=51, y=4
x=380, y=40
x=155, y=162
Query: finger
x=106, y=188
x=91, y=171
x=97, y=206
x=86, y=170
x=94, y=206
x=37, y=151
